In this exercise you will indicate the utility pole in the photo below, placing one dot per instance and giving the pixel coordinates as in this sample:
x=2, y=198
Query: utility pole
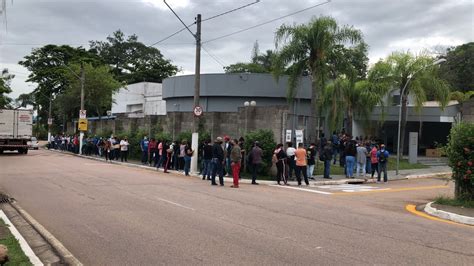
x=49, y=120
x=197, y=88
x=82, y=78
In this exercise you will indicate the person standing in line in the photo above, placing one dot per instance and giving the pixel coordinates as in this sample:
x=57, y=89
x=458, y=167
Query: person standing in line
x=235, y=157
x=311, y=159
x=350, y=152
x=228, y=149
x=152, y=152
x=256, y=155
x=328, y=153
x=124, y=149
x=217, y=162
x=335, y=144
x=374, y=161
x=361, y=159
x=242, y=151
x=168, y=151
x=301, y=164
x=182, y=153
x=290, y=152
x=161, y=155
x=368, y=165
x=144, y=147
x=207, y=158
x=280, y=156
x=382, y=157
x=188, y=153
x=342, y=152
x=107, y=149
x=176, y=151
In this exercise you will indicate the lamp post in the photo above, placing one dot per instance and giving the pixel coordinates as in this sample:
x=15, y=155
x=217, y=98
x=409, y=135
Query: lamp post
x=437, y=62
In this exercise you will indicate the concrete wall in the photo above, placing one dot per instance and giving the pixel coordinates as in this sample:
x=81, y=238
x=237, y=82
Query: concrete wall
x=233, y=124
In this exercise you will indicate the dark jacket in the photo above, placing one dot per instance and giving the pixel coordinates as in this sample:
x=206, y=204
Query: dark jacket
x=207, y=152
x=350, y=149
x=257, y=155
x=218, y=152
x=327, y=151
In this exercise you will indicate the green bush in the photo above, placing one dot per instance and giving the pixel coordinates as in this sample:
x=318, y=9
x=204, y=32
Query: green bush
x=267, y=143
x=185, y=135
x=460, y=152
x=163, y=136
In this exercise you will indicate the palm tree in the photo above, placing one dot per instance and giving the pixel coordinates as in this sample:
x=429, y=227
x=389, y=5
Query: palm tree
x=420, y=77
x=461, y=98
x=345, y=98
x=305, y=48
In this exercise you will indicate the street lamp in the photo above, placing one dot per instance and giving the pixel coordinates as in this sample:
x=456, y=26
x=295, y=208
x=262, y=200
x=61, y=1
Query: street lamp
x=437, y=62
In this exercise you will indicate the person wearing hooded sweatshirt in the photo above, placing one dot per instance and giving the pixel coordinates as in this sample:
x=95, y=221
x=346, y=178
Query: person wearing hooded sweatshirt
x=217, y=162
x=235, y=157
x=280, y=156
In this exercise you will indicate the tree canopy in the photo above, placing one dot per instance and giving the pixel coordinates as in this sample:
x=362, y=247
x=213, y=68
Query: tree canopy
x=5, y=79
x=458, y=70
x=132, y=61
x=259, y=62
x=308, y=47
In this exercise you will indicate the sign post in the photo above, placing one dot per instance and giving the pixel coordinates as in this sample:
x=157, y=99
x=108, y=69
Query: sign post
x=82, y=126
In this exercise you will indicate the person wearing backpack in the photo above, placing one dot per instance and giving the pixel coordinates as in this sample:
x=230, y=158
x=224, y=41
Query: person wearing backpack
x=382, y=156
x=188, y=153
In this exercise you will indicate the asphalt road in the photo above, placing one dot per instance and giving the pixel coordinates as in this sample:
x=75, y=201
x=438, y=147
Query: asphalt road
x=116, y=215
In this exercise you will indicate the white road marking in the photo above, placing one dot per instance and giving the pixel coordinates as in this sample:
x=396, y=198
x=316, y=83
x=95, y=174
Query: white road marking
x=304, y=189
x=351, y=188
x=23, y=244
x=176, y=204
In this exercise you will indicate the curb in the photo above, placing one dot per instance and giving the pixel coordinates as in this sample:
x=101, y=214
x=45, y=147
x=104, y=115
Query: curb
x=448, y=215
x=266, y=182
x=428, y=175
x=25, y=247
x=63, y=252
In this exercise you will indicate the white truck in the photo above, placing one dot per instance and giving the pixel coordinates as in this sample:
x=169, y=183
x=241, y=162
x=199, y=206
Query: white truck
x=16, y=128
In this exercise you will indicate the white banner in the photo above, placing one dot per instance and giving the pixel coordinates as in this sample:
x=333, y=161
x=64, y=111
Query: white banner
x=288, y=135
x=299, y=137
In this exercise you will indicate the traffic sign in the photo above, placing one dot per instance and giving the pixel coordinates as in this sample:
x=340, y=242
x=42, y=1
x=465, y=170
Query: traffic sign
x=50, y=121
x=82, y=125
x=198, y=110
x=82, y=113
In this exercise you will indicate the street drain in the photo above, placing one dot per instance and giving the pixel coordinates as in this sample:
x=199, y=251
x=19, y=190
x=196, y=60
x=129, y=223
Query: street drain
x=4, y=198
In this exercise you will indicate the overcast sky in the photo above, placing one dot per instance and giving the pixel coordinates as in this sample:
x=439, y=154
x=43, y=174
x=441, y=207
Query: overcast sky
x=387, y=26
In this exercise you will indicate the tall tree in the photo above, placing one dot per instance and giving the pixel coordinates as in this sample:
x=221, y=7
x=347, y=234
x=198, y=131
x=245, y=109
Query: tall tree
x=131, y=60
x=307, y=47
x=99, y=87
x=259, y=63
x=48, y=67
x=5, y=80
x=459, y=67
x=419, y=75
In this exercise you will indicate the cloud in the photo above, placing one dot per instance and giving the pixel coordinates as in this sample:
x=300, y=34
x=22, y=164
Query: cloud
x=386, y=25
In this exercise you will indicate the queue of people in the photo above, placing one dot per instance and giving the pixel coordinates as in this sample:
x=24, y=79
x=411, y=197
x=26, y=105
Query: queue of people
x=226, y=157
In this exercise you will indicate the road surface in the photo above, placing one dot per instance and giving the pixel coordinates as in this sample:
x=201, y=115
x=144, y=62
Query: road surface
x=108, y=214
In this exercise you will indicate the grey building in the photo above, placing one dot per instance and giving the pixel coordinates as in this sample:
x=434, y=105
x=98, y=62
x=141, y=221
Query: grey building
x=228, y=92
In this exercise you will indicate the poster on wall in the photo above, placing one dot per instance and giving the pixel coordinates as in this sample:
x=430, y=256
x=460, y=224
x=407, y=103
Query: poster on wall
x=288, y=135
x=299, y=136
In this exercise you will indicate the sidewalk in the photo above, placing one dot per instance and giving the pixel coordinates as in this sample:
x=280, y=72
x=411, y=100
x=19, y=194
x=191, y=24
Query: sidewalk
x=336, y=179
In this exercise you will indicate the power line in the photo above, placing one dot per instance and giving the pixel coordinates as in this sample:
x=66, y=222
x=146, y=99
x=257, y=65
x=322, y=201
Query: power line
x=266, y=22
x=187, y=26
x=213, y=56
x=230, y=11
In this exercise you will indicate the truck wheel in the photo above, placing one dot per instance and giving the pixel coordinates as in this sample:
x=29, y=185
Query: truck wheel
x=1, y=151
x=25, y=151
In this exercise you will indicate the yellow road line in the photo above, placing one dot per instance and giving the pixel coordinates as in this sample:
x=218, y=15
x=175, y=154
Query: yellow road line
x=390, y=190
x=412, y=208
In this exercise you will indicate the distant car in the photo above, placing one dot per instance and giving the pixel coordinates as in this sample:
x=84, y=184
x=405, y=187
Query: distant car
x=33, y=144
